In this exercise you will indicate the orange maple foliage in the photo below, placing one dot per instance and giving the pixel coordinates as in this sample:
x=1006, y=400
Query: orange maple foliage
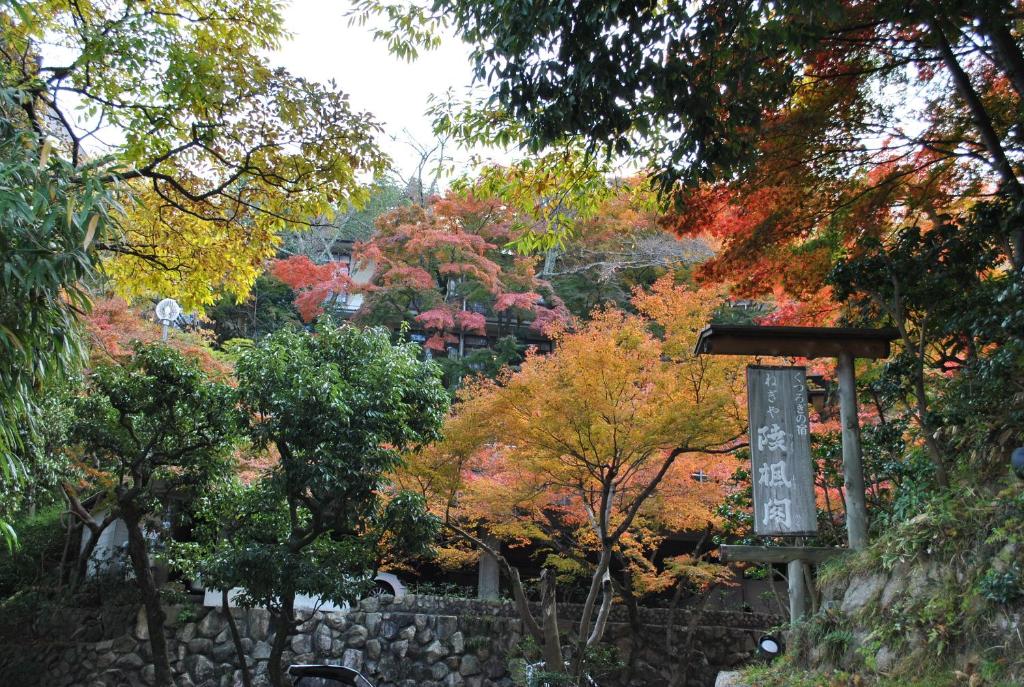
x=592, y=448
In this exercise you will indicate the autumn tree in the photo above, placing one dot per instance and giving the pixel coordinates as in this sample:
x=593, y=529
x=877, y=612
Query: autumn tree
x=156, y=429
x=216, y=151
x=441, y=268
x=339, y=407
x=585, y=447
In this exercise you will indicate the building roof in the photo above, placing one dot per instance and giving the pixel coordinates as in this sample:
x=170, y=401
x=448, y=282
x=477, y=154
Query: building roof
x=803, y=342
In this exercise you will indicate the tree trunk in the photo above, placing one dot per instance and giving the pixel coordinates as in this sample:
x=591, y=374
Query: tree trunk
x=155, y=616
x=285, y=625
x=989, y=138
x=243, y=664
x=552, y=649
x=1007, y=53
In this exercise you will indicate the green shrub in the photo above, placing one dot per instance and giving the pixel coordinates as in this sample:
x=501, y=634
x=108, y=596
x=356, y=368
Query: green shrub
x=35, y=561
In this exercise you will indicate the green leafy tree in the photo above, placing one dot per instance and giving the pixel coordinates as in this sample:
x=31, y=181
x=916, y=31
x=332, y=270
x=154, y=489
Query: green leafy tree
x=50, y=212
x=158, y=430
x=267, y=308
x=339, y=407
x=220, y=150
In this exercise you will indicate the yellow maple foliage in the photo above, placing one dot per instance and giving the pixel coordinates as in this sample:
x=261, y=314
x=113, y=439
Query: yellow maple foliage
x=590, y=450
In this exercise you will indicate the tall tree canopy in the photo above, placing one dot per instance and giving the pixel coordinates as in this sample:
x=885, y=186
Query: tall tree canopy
x=790, y=129
x=584, y=449
x=218, y=149
x=443, y=267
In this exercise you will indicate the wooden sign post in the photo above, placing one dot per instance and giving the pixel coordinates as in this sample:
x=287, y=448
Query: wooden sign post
x=846, y=344
x=780, y=451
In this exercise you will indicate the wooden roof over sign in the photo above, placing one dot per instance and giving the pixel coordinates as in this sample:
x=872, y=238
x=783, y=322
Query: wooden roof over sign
x=803, y=342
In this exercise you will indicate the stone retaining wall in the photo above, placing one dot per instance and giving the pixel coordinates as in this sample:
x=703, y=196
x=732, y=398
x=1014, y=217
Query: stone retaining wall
x=417, y=642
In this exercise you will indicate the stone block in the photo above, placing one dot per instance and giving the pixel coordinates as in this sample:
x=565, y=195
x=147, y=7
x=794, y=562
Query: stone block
x=352, y=658
x=446, y=626
x=259, y=624
x=470, y=665
x=400, y=648
x=322, y=639
x=372, y=623
x=356, y=636
x=200, y=668
x=200, y=646
x=862, y=591
x=434, y=652
x=373, y=649
x=141, y=631
x=212, y=625
x=457, y=643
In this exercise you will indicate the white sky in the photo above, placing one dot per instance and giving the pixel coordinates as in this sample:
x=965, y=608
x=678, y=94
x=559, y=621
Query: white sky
x=324, y=47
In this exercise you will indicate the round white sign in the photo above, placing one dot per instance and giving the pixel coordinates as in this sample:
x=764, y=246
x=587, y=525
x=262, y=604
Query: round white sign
x=168, y=310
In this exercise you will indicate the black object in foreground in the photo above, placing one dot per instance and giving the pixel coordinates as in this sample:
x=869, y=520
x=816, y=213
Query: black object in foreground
x=326, y=676
x=769, y=646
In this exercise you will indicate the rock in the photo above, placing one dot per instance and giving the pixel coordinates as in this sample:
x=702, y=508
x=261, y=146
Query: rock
x=259, y=624
x=434, y=652
x=224, y=652
x=424, y=636
x=322, y=639
x=131, y=661
x=458, y=643
x=895, y=586
x=400, y=648
x=149, y=674
x=370, y=604
x=453, y=680
x=335, y=620
x=885, y=659
x=200, y=667
x=261, y=651
x=389, y=628
x=862, y=591
x=352, y=658
x=729, y=678
x=356, y=636
x=372, y=622
x=470, y=665
x=141, y=631
x=439, y=671
x=212, y=625
x=407, y=632
x=420, y=621
x=446, y=626
x=373, y=649
x=188, y=632
x=200, y=646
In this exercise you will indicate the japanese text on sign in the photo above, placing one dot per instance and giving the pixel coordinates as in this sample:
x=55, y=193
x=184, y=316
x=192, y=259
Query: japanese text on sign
x=780, y=449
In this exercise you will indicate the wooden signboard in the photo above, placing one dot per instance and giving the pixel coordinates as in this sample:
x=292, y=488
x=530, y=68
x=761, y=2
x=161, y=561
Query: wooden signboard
x=780, y=449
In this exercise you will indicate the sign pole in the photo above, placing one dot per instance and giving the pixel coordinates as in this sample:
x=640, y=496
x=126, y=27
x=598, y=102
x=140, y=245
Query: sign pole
x=853, y=470
x=797, y=590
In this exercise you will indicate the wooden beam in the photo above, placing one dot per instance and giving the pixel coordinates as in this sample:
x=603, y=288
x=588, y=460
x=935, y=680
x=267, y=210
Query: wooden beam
x=804, y=342
x=736, y=553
